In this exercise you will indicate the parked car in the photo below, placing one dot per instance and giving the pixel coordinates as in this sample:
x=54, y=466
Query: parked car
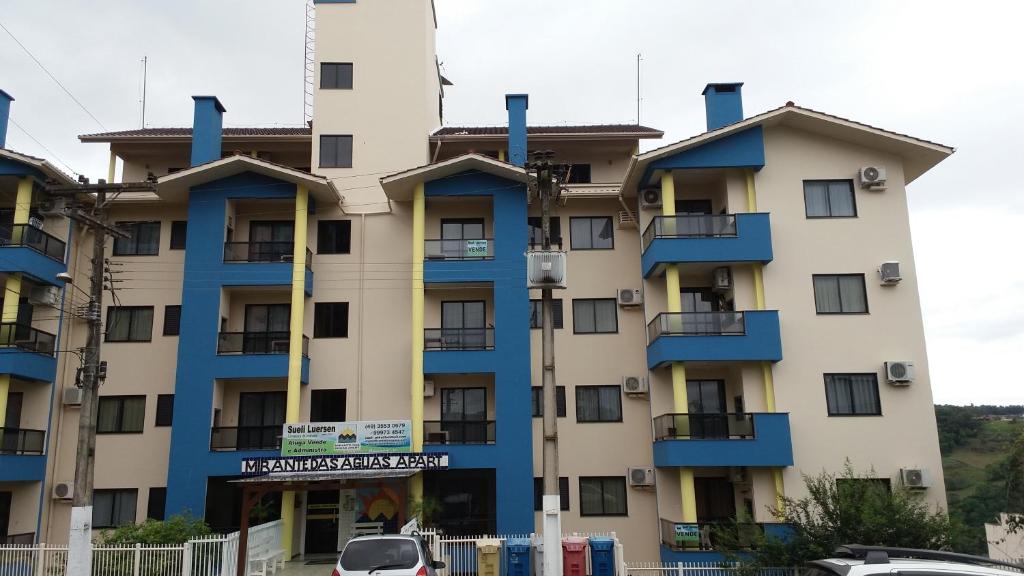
x=856, y=560
x=387, y=555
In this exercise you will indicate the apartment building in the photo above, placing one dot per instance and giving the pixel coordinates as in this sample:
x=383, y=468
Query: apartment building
x=725, y=328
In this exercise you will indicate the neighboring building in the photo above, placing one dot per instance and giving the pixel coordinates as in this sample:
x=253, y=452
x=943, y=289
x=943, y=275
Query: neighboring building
x=752, y=351
x=1002, y=543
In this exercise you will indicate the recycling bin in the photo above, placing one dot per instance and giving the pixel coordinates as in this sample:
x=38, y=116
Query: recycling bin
x=517, y=557
x=538, y=555
x=602, y=556
x=488, y=557
x=574, y=556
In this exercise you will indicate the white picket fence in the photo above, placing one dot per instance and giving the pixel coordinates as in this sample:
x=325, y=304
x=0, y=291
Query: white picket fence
x=697, y=569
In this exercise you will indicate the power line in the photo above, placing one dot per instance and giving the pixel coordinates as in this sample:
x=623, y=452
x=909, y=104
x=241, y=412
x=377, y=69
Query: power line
x=41, y=145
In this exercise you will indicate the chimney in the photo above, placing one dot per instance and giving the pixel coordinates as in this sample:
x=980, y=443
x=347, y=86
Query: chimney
x=5, y=114
x=206, y=129
x=516, y=104
x=723, y=104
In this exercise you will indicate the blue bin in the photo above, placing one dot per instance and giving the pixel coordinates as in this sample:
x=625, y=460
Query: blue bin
x=517, y=557
x=602, y=556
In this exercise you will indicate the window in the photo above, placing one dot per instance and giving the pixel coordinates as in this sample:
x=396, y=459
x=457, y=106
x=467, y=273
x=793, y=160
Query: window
x=164, y=409
x=537, y=232
x=598, y=404
x=840, y=294
x=537, y=318
x=330, y=320
x=121, y=414
x=852, y=395
x=157, y=503
x=572, y=173
x=129, y=324
x=563, y=493
x=602, y=496
x=260, y=416
x=829, y=199
x=179, y=231
x=327, y=406
x=464, y=415
x=537, y=401
x=334, y=237
x=143, y=239
x=595, y=316
x=172, y=320
x=336, y=75
x=336, y=151
x=113, y=507
x=591, y=233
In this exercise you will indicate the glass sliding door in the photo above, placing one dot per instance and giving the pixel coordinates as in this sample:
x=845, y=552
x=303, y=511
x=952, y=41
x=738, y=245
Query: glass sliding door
x=464, y=415
x=464, y=325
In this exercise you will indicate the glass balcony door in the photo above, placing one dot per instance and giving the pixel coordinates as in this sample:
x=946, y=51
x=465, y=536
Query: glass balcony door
x=706, y=405
x=260, y=417
x=267, y=327
x=464, y=324
x=464, y=415
x=455, y=232
x=271, y=240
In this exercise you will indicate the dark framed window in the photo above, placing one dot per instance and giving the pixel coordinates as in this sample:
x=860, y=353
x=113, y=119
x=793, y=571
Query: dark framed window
x=334, y=237
x=591, y=233
x=143, y=239
x=112, y=508
x=164, y=409
x=336, y=151
x=603, y=496
x=537, y=318
x=599, y=404
x=121, y=414
x=595, y=316
x=852, y=395
x=172, y=320
x=572, y=173
x=563, y=493
x=157, y=504
x=537, y=232
x=537, y=401
x=829, y=199
x=330, y=320
x=327, y=405
x=336, y=75
x=840, y=294
x=129, y=324
x=179, y=231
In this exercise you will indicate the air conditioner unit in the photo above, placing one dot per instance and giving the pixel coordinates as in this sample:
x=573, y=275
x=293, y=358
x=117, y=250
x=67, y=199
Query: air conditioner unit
x=63, y=491
x=915, y=478
x=279, y=346
x=899, y=373
x=428, y=388
x=737, y=474
x=635, y=385
x=641, y=477
x=630, y=297
x=722, y=280
x=72, y=397
x=650, y=198
x=44, y=296
x=35, y=222
x=889, y=272
x=545, y=269
x=55, y=206
x=440, y=437
x=872, y=178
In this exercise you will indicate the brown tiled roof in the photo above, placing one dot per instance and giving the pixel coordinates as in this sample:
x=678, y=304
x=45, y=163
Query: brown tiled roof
x=596, y=129
x=187, y=133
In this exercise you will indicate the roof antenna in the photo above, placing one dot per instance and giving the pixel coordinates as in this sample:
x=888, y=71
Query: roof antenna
x=145, y=61
x=638, y=89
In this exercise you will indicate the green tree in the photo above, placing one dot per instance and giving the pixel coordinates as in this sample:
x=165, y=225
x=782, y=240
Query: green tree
x=177, y=529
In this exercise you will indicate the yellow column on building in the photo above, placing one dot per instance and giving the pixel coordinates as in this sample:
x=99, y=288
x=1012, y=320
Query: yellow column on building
x=419, y=215
x=501, y=154
x=12, y=287
x=112, y=167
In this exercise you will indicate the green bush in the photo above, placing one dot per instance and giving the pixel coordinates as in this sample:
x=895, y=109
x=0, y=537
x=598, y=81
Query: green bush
x=177, y=529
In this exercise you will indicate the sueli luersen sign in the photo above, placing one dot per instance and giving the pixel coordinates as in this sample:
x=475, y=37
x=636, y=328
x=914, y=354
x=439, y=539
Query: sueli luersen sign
x=335, y=438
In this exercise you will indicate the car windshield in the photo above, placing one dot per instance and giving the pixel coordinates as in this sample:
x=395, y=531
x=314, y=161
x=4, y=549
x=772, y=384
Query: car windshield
x=395, y=553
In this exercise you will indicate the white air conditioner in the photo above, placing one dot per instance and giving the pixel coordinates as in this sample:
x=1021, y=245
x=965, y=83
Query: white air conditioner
x=722, y=280
x=635, y=385
x=914, y=478
x=889, y=272
x=35, y=222
x=56, y=206
x=428, y=388
x=737, y=474
x=545, y=269
x=630, y=297
x=641, y=477
x=650, y=198
x=899, y=373
x=872, y=178
x=63, y=491
x=72, y=397
x=44, y=296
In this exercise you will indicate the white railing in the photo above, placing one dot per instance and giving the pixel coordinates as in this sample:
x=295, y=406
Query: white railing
x=697, y=569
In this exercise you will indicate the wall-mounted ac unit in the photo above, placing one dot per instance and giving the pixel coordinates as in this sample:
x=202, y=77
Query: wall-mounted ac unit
x=722, y=279
x=641, y=477
x=63, y=491
x=889, y=272
x=35, y=222
x=737, y=474
x=630, y=297
x=899, y=373
x=44, y=296
x=915, y=478
x=650, y=198
x=872, y=178
x=545, y=269
x=72, y=397
x=55, y=207
x=428, y=388
x=635, y=385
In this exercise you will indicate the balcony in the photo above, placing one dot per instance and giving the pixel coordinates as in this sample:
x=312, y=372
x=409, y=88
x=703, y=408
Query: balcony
x=714, y=337
x=235, y=438
x=681, y=536
x=748, y=439
x=438, y=432
x=458, y=350
x=705, y=238
x=31, y=251
x=258, y=343
x=257, y=355
x=263, y=264
x=458, y=339
x=481, y=249
x=22, y=441
x=263, y=252
x=30, y=354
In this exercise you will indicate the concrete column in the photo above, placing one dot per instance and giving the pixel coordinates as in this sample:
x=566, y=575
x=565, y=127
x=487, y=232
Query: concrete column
x=416, y=388
x=12, y=288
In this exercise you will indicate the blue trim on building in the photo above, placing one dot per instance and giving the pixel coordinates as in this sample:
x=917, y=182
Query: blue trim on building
x=27, y=365
x=772, y=445
x=207, y=124
x=22, y=467
x=41, y=268
x=761, y=341
x=460, y=361
x=14, y=168
x=516, y=104
x=752, y=243
x=723, y=104
x=239, y=366
x=744, y=149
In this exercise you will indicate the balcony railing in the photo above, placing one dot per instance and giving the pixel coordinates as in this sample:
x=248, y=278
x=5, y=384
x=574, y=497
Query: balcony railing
x=696, y=324
x=704, y=426
x=27, y=338
x=703, y=535
x=258, y=343
x=21, y=441
x=34, y=238
x=481, y=249
x=263, y=252
x=458, y=431
x=245, y=438
x=690, y=226
x=458, y=339
x=26, y=539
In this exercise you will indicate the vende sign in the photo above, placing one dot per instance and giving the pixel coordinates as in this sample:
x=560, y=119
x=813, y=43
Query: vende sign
x=342, y=463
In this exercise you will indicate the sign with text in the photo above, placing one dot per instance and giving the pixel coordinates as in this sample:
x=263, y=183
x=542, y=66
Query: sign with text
x=415, y=461
x=687, y=535
x=476, y=249
x=336, y=438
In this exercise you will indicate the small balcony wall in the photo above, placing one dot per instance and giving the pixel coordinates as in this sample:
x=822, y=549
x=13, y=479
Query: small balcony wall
x=257, y=355
x=21, y=454
x=714, y=337
x=263, y=264
x=29, y=250
x=244, y=438
x=458, y=350
x=448, y=432
x=29, y=353
x=705, y=238
x=700, y=440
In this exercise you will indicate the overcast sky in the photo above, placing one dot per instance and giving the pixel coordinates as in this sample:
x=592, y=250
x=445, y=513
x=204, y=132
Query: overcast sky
x=947, y=72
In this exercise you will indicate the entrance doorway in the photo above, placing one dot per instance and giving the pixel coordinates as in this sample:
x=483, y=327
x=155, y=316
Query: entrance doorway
x=716, y=499
x=322, y=508
x=5, y=515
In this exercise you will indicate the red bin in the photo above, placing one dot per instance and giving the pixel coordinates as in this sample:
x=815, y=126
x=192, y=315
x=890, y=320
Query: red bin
x=574, y=556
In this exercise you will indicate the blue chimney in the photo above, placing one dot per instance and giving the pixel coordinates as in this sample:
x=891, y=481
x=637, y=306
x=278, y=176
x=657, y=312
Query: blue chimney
x=206, y=129
x=5, y=114
x=723, y=104
x=516, y=104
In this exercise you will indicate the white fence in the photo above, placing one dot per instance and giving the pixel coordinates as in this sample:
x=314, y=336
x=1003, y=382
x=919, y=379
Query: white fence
x=697, y=569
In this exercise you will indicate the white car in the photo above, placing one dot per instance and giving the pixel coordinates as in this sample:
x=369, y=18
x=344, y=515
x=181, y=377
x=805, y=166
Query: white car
x=856, y=560
x=386, y=555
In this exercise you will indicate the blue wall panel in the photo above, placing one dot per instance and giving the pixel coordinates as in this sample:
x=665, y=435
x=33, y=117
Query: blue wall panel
x=772, y=445
x=744, y=149
x=761, y=342
x=28, y=365
x=752, y=243
x=22, y=467
x=23, y=259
